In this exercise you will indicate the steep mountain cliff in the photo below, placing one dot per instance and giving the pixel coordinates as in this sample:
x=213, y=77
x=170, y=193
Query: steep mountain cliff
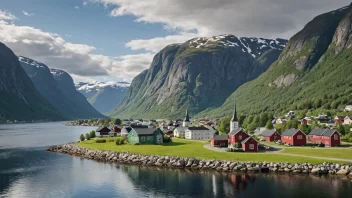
x=199, y=74
x=314, y=71
x=19, y=99
x=103, y=96
x=58, y=88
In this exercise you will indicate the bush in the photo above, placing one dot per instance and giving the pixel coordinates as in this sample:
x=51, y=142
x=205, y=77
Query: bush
x=120, y=140
x=82, y=138
x=238, y=145
x=92, y=134
x=100, y=141
x=111, y=140
x=166, y=139
x=88, y=136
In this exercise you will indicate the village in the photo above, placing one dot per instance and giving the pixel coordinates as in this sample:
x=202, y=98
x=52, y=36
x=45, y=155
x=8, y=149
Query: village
x=237, y=139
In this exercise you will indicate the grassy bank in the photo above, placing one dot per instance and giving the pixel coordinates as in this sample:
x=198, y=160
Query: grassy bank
x=184, y=148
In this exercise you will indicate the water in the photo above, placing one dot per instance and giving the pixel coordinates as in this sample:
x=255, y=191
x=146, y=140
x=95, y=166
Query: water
x=26, y=170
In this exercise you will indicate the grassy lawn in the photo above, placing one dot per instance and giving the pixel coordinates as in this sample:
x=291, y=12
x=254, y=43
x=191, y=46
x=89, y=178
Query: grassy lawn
x=341, y=153
x=184, y=148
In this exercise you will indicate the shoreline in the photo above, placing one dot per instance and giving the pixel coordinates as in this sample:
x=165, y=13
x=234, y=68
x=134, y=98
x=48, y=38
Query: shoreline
x=196, y=164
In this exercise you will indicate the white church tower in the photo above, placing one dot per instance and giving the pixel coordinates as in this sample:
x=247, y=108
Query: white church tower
x=234, y=120
x=186, y=121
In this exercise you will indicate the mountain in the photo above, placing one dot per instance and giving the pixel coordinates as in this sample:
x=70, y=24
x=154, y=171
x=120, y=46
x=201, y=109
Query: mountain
x=19, y=99
x=58, y=88
x=199, y=74
x=313, y=71
x=103, y=96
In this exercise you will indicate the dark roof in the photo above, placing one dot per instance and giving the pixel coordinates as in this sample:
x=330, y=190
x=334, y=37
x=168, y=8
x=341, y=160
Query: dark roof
x=145, y=131
x=220, y=137
x=103, y=129
x=187, y=116
x=138, y=126
x=246, y=140
x=268, y=132
x=290, y=132
x=322, y=132
x=193, y=128
x=235, y=131
x=234, y=117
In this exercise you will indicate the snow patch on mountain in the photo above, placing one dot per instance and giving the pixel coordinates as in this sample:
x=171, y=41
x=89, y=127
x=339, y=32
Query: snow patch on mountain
x=31, y=62
x=96, y=85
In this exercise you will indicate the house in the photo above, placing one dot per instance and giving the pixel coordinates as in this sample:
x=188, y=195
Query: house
x=280, y=121
x=259, y=130
x=237, y=136
x=294, y=137
x=339, y=119
x=125, y=131
x=329, y=137
x=250, y=144
x=290, y=115
x=145, y=136
x=179, y=131
x=219, y=140
x=347, y=120
x=198, y=133
x=304, y=121
x=116, y=129
x=331, y=123
x=348, y=108
x=270, y=135
x=323, y=119
x=103, y=130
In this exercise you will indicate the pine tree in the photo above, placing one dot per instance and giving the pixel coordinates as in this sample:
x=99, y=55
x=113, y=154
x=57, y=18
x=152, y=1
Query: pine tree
x=269, y=125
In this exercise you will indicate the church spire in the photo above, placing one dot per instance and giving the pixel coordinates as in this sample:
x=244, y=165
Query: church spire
x=187, y=116
x=234, y=117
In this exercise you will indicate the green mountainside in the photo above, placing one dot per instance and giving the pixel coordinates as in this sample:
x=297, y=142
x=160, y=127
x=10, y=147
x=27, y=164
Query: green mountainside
x=314, y=71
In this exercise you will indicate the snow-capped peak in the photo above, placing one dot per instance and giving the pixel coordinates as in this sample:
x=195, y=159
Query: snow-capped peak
x=29, y=61
x=96, y=85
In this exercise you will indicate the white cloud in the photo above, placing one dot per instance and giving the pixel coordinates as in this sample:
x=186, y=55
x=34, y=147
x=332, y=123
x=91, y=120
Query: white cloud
x=27, y=13
x=85, y=3
x=5, y=15
x=77, y=7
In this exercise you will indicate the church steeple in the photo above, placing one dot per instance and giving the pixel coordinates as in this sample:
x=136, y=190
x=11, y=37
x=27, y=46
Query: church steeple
x=234, y=117
x=187, y=116
x=186, y=121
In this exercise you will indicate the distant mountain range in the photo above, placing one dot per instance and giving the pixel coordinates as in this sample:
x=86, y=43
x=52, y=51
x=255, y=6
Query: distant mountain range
x=199, y=74
x=57, y=87
x=103, y=96
x=19, y=99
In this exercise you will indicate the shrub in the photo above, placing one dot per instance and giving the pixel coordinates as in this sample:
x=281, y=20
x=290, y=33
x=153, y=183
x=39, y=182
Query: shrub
x=82, y=138
x=111, y=140
x=92, y=134
x=100, y=141
x=238, y=145
x=166, y=139
x=120, y=140
x=88, y=136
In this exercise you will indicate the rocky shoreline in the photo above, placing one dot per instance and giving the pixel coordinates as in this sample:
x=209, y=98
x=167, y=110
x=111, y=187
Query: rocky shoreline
x=201, y=164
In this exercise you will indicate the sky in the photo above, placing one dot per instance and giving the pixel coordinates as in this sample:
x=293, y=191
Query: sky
x=108, y=40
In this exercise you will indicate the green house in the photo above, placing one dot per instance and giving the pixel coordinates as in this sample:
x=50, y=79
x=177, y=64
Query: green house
x=145, y=136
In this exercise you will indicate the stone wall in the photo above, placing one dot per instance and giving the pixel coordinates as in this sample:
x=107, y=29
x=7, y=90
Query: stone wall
x=201, y=164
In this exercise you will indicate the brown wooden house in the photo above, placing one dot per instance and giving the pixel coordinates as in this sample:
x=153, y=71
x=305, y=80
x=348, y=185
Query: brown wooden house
x=103, y=130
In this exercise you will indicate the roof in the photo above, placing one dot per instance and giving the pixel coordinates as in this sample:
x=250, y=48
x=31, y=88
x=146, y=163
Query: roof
x=246, y=140
x=187, y=116
x=194, y=128
x=235, y=131
x=340, y=117
x=103, y=129
x=181, y=129
x=144, y=131
x=322, y=132
x=268, y=132
x=220, y=137
x=139, y=126
x=234, y=117
x=290, y=132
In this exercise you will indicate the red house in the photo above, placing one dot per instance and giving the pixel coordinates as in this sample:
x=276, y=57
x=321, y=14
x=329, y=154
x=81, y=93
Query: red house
x=169, y=133
x=116, y=129
x=103, y=130
x=304, y=121
x=219, y=140
x=294, y=137
x=329, y=137
x=270, y=135
x=237, y=136
x=250, y=144
x=339, y=119
x=347, y=120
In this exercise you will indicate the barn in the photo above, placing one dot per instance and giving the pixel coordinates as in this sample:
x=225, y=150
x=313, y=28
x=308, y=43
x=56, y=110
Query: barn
x=329, y=137
x=250, y=144
x=294, y=137
x=219, y=140
x=237, y=136
x=103, y=130
x=270, y=135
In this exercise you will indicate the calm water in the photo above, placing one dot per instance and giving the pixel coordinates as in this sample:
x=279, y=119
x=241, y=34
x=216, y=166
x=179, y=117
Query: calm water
x=26, y=170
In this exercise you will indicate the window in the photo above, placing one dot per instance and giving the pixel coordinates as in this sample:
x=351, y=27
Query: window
x=336, y=137
x=251, y=146
x=240, y=137
x=142, y=138
x=299, y=137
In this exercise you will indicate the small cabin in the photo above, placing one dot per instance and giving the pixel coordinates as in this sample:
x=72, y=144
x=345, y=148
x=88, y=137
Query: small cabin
x=270, y=135
x=219, y=141
x=250, y=145
x=145, y=136
x=294, y=137
x=103, y=130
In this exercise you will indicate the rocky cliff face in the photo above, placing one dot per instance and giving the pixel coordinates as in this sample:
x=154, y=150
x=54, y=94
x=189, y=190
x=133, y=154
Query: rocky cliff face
x=199, y=74
x=103, y=96
x=58, y=88
x=18, y=97
x=313, y=71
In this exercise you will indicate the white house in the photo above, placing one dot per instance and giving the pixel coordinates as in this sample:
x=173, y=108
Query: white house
x=179, y=131
x=348, y=108
x=198, y=133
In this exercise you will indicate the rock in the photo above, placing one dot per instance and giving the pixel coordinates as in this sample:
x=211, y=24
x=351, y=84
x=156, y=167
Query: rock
x=287, y=170
x=342, y=172
x=315, y=170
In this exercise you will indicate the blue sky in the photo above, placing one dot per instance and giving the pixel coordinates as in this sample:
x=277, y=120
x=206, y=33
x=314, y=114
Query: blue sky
x=117, y=39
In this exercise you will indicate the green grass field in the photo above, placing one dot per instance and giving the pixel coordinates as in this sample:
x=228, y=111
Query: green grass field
x=185, y=148
x=341, y=153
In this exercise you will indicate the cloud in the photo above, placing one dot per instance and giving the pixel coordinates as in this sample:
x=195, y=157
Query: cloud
x=77, y=59
x=261, y=18
x=77, y=7
x=85, y=3
x=5, y=15
x=27, y=14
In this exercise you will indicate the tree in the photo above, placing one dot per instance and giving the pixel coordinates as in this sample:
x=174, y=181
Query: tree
x=269, y=125
x=82, y=138
x=317, y=104
x=251, y=127
x=88, y=136
x=241, y=120
x=305, y=128
x=256, y=120
x=341, y=129
x=224, y=125
x=92, y=134
x=263, y=119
